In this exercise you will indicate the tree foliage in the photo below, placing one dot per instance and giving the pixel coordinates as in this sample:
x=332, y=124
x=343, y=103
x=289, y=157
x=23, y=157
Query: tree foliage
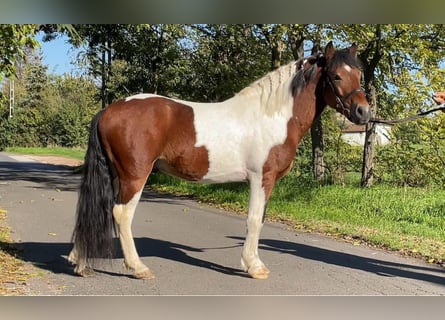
x=15, y=38
x=49, y=109
x=223, y=59
x=146, y=57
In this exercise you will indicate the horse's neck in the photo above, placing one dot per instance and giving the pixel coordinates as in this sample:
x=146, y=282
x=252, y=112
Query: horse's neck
x=306, y=110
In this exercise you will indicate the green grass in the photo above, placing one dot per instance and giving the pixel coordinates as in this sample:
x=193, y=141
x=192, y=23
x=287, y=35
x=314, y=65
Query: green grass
x=408, y=220
x=74, y=153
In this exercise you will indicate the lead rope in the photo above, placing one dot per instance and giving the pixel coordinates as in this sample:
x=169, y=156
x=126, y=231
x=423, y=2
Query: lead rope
x=410, y=118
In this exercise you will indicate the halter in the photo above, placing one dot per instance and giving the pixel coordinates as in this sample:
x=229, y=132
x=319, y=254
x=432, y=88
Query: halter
x=321, y=61
x=338, y=98
x=341, y=100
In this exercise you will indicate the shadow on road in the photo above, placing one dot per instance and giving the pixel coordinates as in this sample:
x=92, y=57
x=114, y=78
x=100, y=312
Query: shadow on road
x=47, y=175
x=51, y=257
x=376, y=266
x=148, y=195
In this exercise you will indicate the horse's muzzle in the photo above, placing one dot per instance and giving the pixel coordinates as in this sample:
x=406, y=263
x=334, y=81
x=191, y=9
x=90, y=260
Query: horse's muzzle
x=360, y=114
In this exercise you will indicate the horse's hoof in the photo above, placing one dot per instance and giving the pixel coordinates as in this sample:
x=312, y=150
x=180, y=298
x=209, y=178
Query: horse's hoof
x=259, y=273
x=85, y=272
x=145, y=274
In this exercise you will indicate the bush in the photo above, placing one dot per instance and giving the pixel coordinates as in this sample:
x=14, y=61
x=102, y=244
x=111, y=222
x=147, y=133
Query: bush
x=27, y=128
x=59, y=117
x=71, y=128
x=416, y=156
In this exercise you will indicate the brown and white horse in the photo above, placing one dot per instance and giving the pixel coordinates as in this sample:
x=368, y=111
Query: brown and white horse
x=251, y=137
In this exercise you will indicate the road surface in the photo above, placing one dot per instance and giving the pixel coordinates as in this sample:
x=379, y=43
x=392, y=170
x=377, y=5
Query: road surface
x=191, y=248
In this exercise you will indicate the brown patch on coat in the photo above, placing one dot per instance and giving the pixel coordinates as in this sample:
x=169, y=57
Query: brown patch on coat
x=280, y=159
x=139, y=132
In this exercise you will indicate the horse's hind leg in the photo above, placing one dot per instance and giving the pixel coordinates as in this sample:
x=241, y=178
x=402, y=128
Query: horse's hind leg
x=123, y=215
x=82, y=267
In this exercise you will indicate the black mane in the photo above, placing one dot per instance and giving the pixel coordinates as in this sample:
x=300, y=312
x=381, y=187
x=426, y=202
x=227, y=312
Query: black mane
x=304, y=75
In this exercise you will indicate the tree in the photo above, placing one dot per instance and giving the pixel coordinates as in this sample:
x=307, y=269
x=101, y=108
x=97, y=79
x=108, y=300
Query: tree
x=274, y=36
x=155, y=58
x=100, y=40
x=146, y=57
x=223, y=59
x=34, y=81
x=285, y=41
x=401, y=64
x=14, y=39
x=17, y=38
x=70, y=104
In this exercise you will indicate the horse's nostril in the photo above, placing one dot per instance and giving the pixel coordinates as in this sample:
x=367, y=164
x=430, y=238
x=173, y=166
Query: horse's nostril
x=362, y=114
x=362, y=111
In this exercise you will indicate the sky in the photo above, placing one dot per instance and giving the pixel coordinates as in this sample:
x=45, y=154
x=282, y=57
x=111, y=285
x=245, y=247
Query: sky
x=58, y=55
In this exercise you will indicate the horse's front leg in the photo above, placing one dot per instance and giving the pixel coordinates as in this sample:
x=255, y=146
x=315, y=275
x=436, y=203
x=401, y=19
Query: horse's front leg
x=250, y=260
x=123, y=215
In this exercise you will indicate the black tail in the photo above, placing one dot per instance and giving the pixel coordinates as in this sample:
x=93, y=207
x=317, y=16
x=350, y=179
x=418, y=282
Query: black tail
x=93, y=233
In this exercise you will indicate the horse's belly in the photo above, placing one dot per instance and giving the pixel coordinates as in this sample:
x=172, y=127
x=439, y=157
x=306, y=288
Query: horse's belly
x=222, y=172
x=227, y=175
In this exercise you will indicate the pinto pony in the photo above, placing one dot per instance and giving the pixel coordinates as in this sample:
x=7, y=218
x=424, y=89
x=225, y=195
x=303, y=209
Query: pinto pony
x=251, y=137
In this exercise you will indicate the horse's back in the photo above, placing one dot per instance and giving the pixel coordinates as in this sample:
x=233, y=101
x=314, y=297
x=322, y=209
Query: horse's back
x=137, y=120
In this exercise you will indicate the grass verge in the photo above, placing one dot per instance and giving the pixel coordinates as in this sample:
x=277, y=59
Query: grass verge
x=78, y=154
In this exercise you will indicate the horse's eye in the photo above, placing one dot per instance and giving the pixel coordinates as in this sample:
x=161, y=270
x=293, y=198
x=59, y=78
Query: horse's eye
x=337, y=77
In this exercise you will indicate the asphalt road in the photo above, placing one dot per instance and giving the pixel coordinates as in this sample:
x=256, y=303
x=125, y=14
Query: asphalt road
x=191, y=248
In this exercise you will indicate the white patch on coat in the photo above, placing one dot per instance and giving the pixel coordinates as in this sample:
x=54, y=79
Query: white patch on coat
x=250, y=258
x=142, y=96
x=123, y=215
x=238, y=133
x=347, y=68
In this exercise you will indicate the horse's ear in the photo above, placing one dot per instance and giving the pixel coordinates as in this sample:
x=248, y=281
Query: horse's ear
x=329, y=51
x=353, y=50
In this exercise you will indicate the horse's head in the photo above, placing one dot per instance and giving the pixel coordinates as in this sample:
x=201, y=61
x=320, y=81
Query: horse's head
x=341, y=83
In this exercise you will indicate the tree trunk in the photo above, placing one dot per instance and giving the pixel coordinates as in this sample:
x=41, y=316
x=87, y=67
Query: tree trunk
x=318, y=165
x=276, y=44
x=106, y=60
x=369, y=146
x=276, y=55
x=297, y=47
x=109, y=61
x=103, y=87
